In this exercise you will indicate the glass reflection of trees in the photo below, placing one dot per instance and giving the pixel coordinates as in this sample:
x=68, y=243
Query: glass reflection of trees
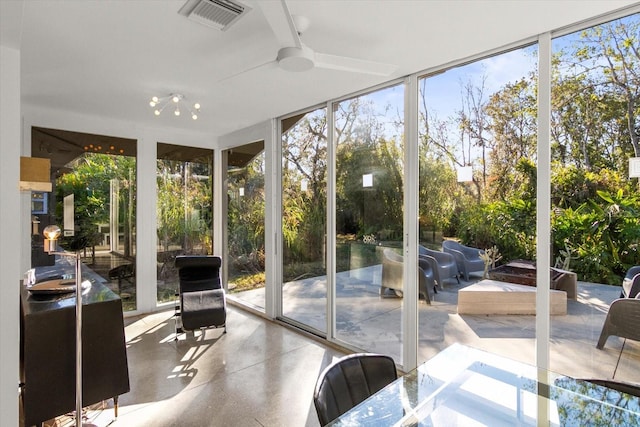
x=184, y=210
x=96, y=181
x=245, y=226
x=370, y=141
x=304, y=199
x=580, y=403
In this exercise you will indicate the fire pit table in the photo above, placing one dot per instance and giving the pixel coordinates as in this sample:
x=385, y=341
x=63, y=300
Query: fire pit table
x=524, y=273
x=493, y=297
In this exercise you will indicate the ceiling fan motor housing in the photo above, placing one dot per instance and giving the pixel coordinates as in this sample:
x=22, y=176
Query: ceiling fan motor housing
x=296, y=58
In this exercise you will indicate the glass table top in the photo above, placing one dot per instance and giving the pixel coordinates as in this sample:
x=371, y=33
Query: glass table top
x=462, y=386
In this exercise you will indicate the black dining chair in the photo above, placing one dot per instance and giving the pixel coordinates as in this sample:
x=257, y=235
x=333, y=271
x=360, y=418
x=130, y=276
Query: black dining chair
x=350, y=380
x=201, y=295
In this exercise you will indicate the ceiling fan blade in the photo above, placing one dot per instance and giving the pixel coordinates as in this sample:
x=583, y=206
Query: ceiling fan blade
x=344, y=63
x=281, y=22
x=272, y=63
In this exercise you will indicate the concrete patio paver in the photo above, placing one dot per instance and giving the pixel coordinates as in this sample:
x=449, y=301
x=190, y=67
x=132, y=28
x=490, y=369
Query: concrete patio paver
x=368, y=321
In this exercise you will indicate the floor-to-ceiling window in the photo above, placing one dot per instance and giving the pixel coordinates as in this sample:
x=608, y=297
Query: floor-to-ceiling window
x=184, y=210
x=595, y=198
x=369, y=153
x=245, y=237
x=477, y=187
x=93, y=201
x=304, y=211
x=478, y=183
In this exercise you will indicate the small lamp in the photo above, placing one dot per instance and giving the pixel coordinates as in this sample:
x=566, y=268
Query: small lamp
x=51, y=234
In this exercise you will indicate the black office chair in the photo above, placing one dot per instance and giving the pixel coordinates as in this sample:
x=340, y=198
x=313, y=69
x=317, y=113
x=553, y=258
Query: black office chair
x=350, y=380
x=201, y=295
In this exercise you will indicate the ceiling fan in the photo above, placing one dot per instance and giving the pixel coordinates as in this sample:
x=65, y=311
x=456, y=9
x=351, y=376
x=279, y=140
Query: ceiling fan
x=296, y=56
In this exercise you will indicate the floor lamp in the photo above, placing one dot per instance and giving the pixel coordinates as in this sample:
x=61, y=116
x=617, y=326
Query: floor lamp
x=51, y=234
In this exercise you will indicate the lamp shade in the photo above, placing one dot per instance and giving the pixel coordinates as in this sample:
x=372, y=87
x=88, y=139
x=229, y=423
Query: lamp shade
x=51, y=234
x=35, y=174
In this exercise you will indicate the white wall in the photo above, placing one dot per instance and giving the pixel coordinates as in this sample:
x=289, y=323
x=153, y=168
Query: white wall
x=9, y=233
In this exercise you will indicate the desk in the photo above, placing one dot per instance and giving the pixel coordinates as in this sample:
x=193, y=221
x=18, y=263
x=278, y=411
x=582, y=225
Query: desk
x=462, y=386
x=47, y=348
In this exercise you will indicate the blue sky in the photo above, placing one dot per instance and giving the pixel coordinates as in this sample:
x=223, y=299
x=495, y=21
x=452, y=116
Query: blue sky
x=443, y=91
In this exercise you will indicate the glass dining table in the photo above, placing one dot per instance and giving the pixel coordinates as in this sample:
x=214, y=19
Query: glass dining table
x=463, y=386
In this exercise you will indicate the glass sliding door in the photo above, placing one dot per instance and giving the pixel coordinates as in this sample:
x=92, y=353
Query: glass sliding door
x=184, y=210
x=477, y=188
x=595, y=197
x=244, y=240
x=94, y=201
x=304, y=212
x=369, y=216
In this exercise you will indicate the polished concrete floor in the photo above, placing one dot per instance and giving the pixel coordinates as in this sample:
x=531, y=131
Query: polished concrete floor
x=257, y=374
x=261, y=373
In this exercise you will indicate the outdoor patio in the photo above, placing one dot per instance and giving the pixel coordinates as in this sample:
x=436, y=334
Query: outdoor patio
x=373, y=323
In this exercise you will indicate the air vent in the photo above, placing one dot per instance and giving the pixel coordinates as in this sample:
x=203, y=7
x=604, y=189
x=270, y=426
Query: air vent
x=219, y=14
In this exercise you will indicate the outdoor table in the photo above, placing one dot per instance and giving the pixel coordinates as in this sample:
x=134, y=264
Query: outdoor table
x=466, y=386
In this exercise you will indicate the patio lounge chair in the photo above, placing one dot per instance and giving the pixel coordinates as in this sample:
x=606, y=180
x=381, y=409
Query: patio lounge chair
x=467, y=258
x=392, y=275
x=631, y=283
x=623, y=320
x=443, y=264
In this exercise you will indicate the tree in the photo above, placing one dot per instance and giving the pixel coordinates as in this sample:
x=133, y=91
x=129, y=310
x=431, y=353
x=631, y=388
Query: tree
x=245, y=221
x=437, y=193
x=512, y=113
x=89, y=182
x=184, y=205
x=304, y=152
x=610, y=53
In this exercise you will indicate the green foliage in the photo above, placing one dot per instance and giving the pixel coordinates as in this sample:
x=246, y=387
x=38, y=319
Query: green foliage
x=437, y=193
x=595, y=128
x=510, y=226
x=184, y=206
x=572, y=186
x=602, y=235
x=89, y=182
x=370, y=210
x=304, y=166
x=512, y=114
x=245, y=220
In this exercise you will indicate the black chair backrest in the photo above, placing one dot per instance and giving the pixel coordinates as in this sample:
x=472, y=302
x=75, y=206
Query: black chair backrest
x=198, y=272
x=350, y=380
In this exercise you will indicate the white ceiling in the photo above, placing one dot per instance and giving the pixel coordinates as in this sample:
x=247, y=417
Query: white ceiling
x=107, y=58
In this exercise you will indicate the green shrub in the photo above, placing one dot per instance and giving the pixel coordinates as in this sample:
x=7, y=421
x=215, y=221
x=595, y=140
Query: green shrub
x=510, y=226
